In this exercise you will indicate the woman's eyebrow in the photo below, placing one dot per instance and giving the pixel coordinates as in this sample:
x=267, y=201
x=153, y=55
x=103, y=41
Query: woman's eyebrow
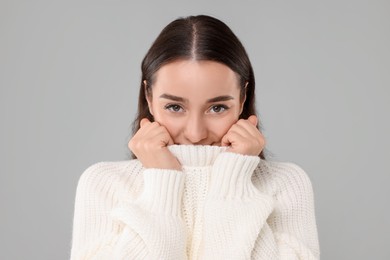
x=219, y=99
x=185, y=100
x=174, y=98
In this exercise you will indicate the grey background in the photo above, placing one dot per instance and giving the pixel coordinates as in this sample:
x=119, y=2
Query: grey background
x=69, y=72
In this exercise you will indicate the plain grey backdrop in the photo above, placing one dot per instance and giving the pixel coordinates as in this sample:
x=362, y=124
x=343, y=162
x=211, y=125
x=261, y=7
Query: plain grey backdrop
x=69, y=77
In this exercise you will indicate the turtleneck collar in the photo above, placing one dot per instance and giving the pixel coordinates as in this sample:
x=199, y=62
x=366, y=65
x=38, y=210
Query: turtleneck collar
x=196, y=155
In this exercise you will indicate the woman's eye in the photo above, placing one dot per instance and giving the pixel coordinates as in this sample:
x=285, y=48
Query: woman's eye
x=218, y=108
x=174, y=108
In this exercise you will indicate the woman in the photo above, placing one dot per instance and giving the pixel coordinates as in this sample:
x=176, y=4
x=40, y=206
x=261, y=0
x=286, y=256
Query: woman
x=199, y=186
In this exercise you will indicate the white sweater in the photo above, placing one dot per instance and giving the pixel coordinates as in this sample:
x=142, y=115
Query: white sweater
x=221, y=205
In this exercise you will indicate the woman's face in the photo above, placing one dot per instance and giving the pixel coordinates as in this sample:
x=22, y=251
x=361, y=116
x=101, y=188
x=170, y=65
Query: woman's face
x=196, y=101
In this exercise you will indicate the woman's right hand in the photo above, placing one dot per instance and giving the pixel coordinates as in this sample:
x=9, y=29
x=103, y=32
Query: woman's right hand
x=150, y=143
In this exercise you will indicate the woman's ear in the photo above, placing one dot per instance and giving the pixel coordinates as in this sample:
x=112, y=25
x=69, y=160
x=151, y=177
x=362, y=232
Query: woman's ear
x=148, y=96
x=243, y=98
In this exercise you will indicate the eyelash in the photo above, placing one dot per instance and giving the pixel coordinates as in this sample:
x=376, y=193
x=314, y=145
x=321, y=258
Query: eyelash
x=175, y=107
x=171, y=106
x=224, y=107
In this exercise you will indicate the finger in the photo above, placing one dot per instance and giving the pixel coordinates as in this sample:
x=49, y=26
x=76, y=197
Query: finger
x=235, y=135
x=157, y=131
x=168, y=136
x=143, y=122
x=253, y=120
x=170, y=141
x=248, y=127
x=244, y=128
x=225, y=140
x=233, y=141
x=235, y=129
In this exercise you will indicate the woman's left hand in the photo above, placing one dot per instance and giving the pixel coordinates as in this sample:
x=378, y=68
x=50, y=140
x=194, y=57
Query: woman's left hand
x=244, y=138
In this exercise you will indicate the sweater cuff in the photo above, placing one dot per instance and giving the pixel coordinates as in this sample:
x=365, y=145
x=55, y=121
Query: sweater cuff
x=163, y=190
x=231, y=176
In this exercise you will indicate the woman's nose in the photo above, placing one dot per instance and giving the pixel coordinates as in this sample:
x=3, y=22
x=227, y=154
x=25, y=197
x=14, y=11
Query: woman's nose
x=195, y=130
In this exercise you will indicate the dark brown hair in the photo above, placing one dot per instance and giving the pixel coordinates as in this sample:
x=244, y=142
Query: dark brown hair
x=199, y=37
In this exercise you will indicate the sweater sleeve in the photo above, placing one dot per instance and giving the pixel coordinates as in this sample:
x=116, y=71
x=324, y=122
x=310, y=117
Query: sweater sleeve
x=235, y=211
x=149, y=227
x=237, y=215
x=291, y=228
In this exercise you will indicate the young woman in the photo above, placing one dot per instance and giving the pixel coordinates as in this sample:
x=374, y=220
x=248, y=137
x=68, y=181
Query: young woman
x=199, y=185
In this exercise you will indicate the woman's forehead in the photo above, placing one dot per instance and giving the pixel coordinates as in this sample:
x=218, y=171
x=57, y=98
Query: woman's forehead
x=189, y=76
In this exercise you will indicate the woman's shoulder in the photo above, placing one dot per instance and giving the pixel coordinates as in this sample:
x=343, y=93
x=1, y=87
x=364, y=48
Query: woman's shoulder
x=275, y=176
x=110, y=168
x=110, y=174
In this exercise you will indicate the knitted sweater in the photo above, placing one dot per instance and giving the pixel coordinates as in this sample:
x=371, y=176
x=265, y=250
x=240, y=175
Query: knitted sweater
x=221, y=205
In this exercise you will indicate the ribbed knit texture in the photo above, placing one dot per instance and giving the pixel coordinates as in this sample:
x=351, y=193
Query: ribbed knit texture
x=221, y=205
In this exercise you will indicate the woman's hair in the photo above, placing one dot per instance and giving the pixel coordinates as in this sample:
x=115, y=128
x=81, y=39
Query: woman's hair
x=197, y=38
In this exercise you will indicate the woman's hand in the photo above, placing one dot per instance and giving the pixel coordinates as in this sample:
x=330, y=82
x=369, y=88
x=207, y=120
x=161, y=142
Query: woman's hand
x=150, y=143
x=244, y=137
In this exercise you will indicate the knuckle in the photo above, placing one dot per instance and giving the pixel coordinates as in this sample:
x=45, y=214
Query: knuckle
x=155, y=124
x=241, y=121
